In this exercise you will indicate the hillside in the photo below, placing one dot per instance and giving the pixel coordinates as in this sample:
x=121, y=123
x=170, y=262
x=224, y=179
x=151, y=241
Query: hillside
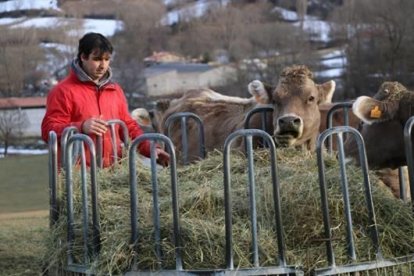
x=251, y=35
x=57, y=25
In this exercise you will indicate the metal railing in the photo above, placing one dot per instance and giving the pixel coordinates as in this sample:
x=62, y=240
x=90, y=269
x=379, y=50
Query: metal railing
x=409, y=154
x=91, y=239
x=379, y=261
x=346, y=108
x=184, y=117
x=263, y=111
x=282, y=268
x=154, y=138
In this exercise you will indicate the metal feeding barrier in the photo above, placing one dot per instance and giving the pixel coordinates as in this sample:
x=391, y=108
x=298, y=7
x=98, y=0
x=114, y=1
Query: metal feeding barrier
x=346, y=108
x=183, y=118
x=89, y=228
x=54, y=168
x=53, y=179
x=257, y=269
x=99, y=144
x=409, y=154
x=354, y=267
x=91, y=242
x=263, y=111
x=67, y=132
x=154, y=138
x=91, y=239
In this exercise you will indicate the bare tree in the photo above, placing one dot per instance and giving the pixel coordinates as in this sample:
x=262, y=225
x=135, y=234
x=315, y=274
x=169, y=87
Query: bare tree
x=380, y=38
x=223, y=28
x=301, y=9
x=142, y=34
x=12, y=124
x=20, y=57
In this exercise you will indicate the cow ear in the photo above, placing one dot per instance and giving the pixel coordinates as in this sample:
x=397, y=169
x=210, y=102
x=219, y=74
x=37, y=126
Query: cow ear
x=326, y=91
x=370, y=110
x=260, y=91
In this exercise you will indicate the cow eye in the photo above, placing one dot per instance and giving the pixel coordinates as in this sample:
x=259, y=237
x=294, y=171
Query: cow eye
x=311, y=99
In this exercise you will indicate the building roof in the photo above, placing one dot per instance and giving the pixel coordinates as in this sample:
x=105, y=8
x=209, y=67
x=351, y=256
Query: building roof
x=27, y=102
x=179, y=67
x=163, y=56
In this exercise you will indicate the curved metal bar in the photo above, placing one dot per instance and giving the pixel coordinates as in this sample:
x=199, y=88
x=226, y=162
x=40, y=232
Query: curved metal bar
x=247, y=134
x=94, y=199
x=154, y=137
x=184, y=116
x=403, y=184
x=409, y=154
x=345, y=106
x=262, y=110
x=324, y=198
x=99, y=152
x=125, y=136
x=67, y=132
x=53, y=179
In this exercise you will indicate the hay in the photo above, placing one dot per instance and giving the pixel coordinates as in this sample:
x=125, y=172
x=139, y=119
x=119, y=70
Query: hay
x=201, y=199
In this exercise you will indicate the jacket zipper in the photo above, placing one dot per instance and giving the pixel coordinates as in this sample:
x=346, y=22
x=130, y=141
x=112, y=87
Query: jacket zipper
x=98, y=96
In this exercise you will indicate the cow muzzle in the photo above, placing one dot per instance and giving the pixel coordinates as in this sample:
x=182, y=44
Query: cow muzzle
x=289, y=128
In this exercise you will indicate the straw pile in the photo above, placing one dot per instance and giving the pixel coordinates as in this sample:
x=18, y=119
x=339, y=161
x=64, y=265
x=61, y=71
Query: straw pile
x=201, y=199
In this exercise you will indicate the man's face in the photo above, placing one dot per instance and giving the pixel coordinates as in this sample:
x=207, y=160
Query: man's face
x=96, y=64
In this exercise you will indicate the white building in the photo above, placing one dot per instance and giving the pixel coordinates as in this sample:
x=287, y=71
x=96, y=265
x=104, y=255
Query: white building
x=171, y=78
x=34, y=107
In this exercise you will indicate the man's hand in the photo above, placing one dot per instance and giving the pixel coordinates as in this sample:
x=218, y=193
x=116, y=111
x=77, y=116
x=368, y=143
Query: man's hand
x=94, y=126
x=163, y=158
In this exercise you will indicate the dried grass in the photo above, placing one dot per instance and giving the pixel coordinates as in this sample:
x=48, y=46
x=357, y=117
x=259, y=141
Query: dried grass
x=201, y=201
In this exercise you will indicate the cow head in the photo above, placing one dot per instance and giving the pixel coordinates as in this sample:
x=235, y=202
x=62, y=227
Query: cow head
x=383, y=117
x=296, y=101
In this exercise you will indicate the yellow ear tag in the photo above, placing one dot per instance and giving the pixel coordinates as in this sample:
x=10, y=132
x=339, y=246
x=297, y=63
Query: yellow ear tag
x=375, y=112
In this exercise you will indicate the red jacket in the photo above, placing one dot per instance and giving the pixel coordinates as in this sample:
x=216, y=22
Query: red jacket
x=72, y=101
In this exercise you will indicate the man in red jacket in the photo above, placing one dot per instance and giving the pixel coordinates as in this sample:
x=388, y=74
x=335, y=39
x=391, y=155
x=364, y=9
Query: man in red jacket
x=87, y=98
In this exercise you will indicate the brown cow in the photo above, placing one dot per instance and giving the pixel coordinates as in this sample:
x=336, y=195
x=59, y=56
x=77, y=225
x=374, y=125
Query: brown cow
x=383, y=117
x=389, y=176
x=295, y=100
x=300, y=106
x=221, y=115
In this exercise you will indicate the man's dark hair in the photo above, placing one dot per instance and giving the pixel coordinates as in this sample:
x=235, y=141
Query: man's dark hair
x=91, y=42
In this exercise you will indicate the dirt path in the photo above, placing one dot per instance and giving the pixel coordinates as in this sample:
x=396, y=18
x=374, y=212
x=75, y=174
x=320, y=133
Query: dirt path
x=28, y=214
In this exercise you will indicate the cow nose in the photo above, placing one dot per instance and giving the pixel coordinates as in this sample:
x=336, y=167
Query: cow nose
x=289, y=122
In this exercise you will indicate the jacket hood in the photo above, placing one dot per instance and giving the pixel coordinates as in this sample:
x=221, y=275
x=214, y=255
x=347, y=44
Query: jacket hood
x=83, y=77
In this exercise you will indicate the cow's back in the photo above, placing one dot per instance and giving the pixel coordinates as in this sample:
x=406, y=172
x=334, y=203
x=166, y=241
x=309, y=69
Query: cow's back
x=220, y=118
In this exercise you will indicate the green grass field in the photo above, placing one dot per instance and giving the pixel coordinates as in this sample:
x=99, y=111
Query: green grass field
x=24, y=203
x=24, y=183
x=22, y=242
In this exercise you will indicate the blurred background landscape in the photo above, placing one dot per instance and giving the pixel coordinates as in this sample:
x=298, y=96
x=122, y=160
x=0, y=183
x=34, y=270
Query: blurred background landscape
x=163, y=48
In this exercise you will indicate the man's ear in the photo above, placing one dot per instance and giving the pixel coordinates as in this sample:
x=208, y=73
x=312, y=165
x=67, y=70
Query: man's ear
x=84, y=56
